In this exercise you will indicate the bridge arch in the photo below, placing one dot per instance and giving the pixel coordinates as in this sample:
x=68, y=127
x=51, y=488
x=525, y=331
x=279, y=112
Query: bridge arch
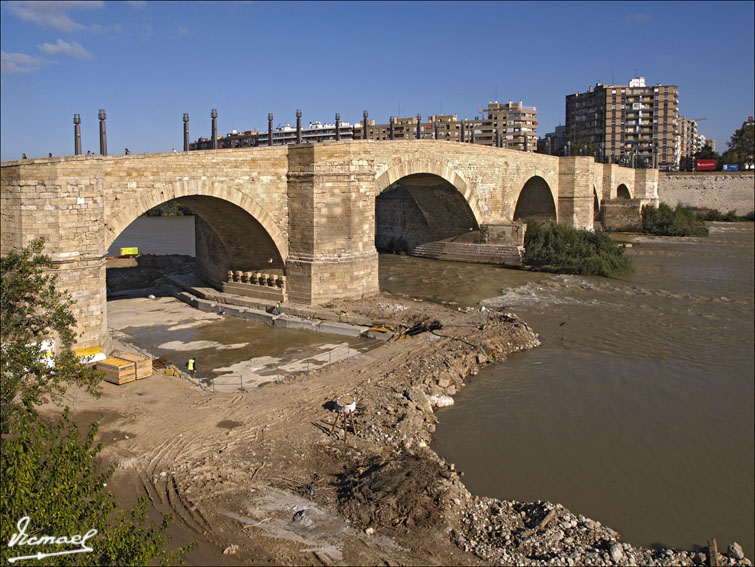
x=536, y=201
x=191, y=194
x=622, y=192
x=433, y=167
x=419, y=202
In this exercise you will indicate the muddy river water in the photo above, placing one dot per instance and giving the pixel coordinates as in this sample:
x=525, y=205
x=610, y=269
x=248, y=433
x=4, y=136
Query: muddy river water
x=637, y=410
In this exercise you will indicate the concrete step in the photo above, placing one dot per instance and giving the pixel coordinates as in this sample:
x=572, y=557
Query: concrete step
x=498, y=254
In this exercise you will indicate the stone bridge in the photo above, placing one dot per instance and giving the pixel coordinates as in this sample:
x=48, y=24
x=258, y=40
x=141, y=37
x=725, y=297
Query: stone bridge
x=303, y=222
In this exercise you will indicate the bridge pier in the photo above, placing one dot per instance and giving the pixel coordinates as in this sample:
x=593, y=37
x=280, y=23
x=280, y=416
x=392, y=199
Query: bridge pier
x=62, y=201
x=331, y=225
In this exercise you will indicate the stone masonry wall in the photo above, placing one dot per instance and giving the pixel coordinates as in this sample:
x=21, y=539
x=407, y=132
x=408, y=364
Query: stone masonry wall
x=314, y=206
x=723, y=191
x=62, y=202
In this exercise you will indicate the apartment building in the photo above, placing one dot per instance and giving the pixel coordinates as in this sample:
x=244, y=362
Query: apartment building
x=315, y=132
x=622, y=123
x=507, y=125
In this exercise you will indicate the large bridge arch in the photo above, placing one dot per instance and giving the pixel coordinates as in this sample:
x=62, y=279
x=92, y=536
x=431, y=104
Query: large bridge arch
x=433, y=167
x=535, y=201
x=130, y=210
x=421, y=201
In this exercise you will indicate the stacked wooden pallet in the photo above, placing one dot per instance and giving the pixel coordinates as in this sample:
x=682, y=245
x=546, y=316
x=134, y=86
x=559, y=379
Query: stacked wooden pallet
x=117, y=371
x=142, y=364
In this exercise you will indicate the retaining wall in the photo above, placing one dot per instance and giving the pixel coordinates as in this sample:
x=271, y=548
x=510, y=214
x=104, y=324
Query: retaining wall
x=723, y=191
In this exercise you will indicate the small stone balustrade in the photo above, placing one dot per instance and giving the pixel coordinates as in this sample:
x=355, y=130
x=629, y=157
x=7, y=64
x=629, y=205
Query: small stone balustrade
x=257, y=278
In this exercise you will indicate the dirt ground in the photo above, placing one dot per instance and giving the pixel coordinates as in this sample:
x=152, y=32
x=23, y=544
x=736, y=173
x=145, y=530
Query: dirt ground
x=258, y=478
x=259, y=475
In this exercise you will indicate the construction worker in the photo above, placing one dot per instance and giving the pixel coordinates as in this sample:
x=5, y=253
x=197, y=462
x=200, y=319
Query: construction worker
x=277, y=308
x=191, y=366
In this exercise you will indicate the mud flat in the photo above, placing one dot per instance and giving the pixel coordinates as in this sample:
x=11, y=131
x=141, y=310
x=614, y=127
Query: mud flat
x=258, y=477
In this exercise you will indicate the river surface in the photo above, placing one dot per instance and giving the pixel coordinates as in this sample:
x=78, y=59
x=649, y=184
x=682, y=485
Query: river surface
x=637, y=410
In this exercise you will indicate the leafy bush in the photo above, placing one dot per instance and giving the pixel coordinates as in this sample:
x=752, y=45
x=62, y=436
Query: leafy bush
x=714, y=215
x=32, y=310
x=50, y=476
x=562, y=249
x=665, y=221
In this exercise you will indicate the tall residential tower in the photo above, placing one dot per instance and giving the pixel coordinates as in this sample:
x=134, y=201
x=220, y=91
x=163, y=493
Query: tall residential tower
x=623, y=123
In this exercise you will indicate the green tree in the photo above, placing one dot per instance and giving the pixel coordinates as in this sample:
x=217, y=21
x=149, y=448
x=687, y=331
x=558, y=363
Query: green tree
x=32, y=310
x=49, y=474
x=741, y=146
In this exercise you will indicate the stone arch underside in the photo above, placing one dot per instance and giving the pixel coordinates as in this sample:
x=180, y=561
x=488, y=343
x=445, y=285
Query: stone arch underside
x=622, y=192
x=228, y=236
x=535, y=202
x=128, y=212
x=421, y=208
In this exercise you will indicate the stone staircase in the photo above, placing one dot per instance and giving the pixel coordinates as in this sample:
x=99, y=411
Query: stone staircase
x=499, y=254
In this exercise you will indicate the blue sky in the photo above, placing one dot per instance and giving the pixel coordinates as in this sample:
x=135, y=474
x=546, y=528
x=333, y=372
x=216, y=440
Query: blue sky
x=146, y=63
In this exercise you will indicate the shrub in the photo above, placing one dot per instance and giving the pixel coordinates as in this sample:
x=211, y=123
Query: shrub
x=665, y=221
x=714, y=215
x=563, y=249
x=50, y=476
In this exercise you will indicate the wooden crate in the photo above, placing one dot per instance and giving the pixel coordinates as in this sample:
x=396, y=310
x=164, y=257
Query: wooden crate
x=142, y=364
x=117, y=371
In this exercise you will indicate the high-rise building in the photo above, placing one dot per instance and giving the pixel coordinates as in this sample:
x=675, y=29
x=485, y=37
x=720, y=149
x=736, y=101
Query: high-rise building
x=623, y=123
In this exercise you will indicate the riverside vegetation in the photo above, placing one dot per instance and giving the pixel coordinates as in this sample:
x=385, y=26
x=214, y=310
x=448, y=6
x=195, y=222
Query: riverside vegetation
x=50, y=473
x=562, y=249
x=665, y=221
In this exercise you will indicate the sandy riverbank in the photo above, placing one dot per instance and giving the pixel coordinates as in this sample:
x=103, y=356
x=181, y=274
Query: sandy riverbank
x=259, y=477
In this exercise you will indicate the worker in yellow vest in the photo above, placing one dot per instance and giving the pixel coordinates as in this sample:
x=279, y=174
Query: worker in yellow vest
x=191, y=366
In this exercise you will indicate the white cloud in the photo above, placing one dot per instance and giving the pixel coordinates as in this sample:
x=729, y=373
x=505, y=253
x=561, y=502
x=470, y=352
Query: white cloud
x=52, y=14
x=19, y=63
x=72, y=49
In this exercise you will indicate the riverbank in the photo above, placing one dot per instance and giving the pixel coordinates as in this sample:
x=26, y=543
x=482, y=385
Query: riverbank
x=258, y=475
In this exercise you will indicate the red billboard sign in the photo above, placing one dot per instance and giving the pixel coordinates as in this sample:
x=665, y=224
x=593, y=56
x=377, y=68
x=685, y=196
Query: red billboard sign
x=706, y=165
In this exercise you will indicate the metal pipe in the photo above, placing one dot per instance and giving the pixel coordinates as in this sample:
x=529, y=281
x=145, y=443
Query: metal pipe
x=298, y=126
x=338, y=126
x=103, y=133
x=269, y=128
x=214, y=116
x=186, y=132
x=77, y=134
x=364, y=125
